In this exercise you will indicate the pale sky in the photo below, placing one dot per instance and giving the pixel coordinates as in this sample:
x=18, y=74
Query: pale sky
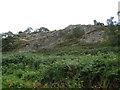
x=17, y=15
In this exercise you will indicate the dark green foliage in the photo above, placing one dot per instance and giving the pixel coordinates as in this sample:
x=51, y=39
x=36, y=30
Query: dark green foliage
x=20, y=32
x=113, y=34
x=76, y=33
x=8, y=44
x=41, y=29
x=9, y=41
x=28, y=30
x=62, y=68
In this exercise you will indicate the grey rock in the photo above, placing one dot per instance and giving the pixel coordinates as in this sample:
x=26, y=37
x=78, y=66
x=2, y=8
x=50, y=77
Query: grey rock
x=52, y=38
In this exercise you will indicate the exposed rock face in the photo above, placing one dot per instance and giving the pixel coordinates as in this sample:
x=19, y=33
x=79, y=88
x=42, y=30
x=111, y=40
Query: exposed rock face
x=41, y=40
x=94, y=36
x=86, y=28
x=52, y=38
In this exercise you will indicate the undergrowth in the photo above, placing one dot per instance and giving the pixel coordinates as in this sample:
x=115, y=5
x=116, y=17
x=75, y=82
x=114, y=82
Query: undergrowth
x=62, y=68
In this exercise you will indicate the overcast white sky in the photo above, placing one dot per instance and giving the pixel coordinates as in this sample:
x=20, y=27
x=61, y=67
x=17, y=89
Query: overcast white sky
x=17, y=15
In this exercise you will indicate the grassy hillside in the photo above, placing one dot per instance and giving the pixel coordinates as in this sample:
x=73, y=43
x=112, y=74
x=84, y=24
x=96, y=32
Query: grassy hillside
x=62, y=68
x=70, y=64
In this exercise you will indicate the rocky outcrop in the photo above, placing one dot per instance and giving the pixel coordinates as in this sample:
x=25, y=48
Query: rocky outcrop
x=96, y=35
x=52, y=38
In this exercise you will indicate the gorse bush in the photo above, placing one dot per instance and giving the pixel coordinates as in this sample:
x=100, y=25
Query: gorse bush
x=76, y=33
x=113, y=34
x=77, y=68
x=8, y=44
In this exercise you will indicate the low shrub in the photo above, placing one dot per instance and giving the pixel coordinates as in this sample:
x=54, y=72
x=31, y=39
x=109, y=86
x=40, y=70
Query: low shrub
x=76, y=33
x=64, y=68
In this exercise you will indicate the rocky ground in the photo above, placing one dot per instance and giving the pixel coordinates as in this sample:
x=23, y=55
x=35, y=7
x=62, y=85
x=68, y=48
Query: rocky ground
x=52, y=38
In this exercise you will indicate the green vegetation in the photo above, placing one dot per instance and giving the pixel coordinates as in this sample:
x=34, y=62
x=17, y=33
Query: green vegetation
x=62, y=68
x=39, y=30
x=8, y=43
x=76, y=33
x=113, y=34
x=71, y=64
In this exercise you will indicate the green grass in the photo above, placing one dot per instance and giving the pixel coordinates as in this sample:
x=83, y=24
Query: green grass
x=62, y=68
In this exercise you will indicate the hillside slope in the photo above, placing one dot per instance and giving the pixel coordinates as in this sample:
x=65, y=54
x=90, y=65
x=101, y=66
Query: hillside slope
x=52, y=38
